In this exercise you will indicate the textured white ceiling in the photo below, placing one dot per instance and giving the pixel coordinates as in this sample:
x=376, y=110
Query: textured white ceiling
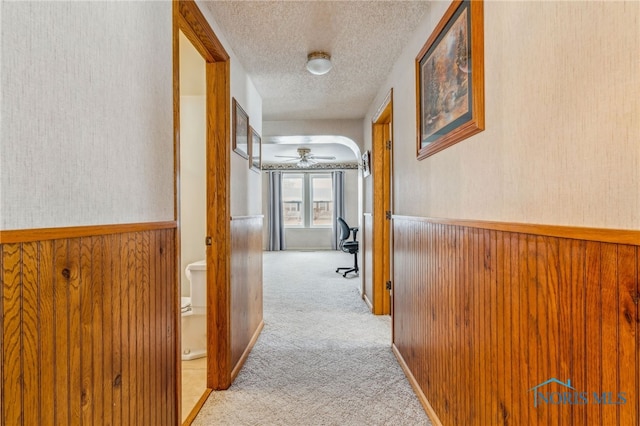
x=272, y=39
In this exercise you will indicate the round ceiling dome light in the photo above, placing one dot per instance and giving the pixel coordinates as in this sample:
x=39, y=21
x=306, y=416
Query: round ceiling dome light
x=319, y=63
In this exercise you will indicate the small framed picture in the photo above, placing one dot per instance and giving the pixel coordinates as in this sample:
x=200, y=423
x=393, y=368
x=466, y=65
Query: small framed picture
x=255, y=151
x=366, y=163
x=240, y=133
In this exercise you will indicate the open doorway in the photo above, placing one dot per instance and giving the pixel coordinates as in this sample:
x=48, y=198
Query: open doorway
x=212, y=246
x=382, y=151
x=192, y=210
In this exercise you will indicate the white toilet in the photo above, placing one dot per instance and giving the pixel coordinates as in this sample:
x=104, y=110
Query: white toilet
x=194, y=309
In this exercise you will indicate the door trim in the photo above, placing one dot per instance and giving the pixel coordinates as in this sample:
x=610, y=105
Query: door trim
x=381, y=164
x=188, y=18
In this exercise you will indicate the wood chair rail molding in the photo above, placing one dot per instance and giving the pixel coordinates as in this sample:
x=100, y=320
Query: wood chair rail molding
x=616, y=236
x=45, y=234
x=248, y=217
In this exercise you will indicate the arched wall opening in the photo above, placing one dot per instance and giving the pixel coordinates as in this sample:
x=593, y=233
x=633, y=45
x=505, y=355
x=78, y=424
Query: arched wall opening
x=347, y=155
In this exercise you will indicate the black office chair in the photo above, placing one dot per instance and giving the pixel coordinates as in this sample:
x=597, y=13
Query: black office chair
x=348, y=246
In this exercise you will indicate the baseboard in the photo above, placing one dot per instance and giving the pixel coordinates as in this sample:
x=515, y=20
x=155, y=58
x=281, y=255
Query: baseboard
x=416, y=388
x=367, y=301
x=247, y=351
x=196, y=408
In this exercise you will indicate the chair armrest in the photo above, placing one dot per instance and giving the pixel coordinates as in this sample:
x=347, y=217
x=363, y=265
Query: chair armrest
x=354, y=231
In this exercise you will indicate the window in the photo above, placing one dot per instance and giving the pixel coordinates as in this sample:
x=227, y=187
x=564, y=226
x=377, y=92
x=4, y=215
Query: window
x=307, y=200
x=293, y=199
x=322, y=200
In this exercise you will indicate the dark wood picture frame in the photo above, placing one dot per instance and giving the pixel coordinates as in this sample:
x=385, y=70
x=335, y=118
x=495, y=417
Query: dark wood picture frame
x=255, y=162
x=450, y=79
x=240, y=132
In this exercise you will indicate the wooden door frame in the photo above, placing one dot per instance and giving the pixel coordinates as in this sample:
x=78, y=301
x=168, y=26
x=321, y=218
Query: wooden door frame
x=382, y=132
x=188, y=18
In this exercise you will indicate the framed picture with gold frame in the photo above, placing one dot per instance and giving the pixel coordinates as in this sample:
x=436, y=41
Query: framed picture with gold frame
x=450, y=79
x=240, y=132
x=255, y=151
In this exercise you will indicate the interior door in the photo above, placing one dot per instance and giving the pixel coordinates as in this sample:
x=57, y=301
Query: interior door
x=387, y=244
x=382, y=144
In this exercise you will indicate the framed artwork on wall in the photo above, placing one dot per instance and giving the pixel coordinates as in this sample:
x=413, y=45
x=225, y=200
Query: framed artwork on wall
x=255, y=151
x=450, y=79
x=240, y=131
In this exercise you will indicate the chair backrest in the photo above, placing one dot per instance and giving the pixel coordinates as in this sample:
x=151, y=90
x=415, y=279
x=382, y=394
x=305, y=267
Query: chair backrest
x=345, y=231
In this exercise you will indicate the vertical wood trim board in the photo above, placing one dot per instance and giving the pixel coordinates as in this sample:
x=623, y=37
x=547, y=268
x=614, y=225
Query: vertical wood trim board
x=87, y=330
x=482, y=316
x=246, y=286
x=367, y=239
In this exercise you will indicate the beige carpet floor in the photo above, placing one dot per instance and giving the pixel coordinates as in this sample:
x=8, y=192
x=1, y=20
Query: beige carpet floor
x=322, y=358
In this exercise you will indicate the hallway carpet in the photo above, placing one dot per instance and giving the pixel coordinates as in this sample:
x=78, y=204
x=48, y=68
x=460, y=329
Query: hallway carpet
x=322, y=358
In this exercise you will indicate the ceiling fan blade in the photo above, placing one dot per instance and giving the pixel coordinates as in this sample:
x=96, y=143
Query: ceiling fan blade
x=322, y=157
x=287, y=156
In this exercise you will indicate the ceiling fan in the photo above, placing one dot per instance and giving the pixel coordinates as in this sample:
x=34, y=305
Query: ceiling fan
x=305, y=158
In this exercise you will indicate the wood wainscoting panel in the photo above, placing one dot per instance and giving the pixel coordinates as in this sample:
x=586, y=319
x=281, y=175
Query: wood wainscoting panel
x=246, y=287
x=484, y=316
x=87, y=331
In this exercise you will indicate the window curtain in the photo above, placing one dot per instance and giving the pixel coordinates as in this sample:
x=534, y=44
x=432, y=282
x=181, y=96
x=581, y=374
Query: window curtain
x=276, y=218
x=338, y=206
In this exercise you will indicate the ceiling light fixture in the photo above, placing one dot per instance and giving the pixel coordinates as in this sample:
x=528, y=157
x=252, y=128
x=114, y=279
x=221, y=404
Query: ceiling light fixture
x=319, y=63
x=304, y=163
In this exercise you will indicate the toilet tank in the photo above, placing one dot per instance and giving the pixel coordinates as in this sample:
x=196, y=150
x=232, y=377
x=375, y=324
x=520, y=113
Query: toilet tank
x=196, y=272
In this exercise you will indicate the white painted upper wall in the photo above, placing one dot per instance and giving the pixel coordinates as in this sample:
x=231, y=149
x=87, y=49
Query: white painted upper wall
x=562, y=138
x=86, y=113
x=246, y=184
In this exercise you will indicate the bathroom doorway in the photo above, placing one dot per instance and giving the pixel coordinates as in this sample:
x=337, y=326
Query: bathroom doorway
x=193, y=224
x=210, y=157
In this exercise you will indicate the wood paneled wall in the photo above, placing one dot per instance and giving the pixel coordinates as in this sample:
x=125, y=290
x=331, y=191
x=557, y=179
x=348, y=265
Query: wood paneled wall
x=87, y=330
x=246, y=287
x=367, y=254
x=481, y=316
